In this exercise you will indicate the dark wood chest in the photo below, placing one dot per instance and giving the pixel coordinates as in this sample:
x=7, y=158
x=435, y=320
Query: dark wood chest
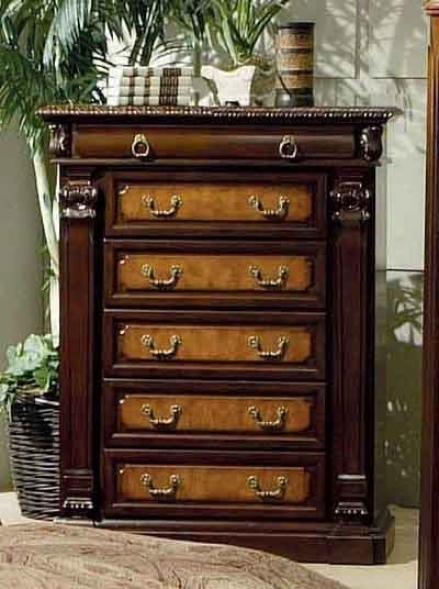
x=221, y=313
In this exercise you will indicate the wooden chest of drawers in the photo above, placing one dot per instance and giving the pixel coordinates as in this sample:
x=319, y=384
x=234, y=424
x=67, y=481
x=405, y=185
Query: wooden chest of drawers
x=220, y=319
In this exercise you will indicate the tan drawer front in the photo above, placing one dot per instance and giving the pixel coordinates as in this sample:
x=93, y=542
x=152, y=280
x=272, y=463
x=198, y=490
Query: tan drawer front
x=211, y=273
x=211, y=414
x=214, y=343
x=174, y=273
x=214, y=484
x=178, y=203
x=200, y=414
x=192, y=343
x=214, y=202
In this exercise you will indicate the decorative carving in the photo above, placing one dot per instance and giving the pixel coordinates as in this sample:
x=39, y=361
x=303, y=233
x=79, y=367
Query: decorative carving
x=224, y=114
x=350, y=203
x=371, y=144
x=352, y=511
x=78, y=504
x=79, y=201
x=60, y=138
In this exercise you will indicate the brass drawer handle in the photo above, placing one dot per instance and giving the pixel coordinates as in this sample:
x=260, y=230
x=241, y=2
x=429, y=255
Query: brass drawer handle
x=140, y=147
x=277, y=495
x=168, y=284
x=269, y=426
x=276, y=283
x=170, y=423
x=254, y=341
x=168, y=493
x=175, y=341
x=271, y=214
x=176, y=202
x=288, y=148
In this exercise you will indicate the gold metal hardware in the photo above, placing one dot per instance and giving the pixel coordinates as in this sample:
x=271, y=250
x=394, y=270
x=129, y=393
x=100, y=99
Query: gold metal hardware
x=271, y=214
x=273, y=284
x=277, y=495
x=170, y=423
x=168, y=284
x=269, y=426
x=254, y=341
x=288, y=148
x=175, y=341
x=176, y=202
x=168, y=493
x=140, y=147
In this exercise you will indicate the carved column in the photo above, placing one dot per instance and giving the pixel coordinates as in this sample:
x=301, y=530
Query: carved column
x=429, y=538
x=78, y=201
x=352, y=212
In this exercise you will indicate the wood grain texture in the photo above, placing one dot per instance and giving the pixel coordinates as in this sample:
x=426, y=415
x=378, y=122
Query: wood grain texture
x=213, y=157
x=429, y=520
x=212, y=484
x=214, y=413
x=224, y=201
x=226, y=274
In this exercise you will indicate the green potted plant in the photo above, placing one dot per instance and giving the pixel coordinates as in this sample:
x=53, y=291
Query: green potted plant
x=236, y=28
x=29, y=396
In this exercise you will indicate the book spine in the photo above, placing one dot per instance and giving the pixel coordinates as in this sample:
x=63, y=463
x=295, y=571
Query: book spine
x=149, y=101
x=145, y=92
x=153, y=82
x=121, y=72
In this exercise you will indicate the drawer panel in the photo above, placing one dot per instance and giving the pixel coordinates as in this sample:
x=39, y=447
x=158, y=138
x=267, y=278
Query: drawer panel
x=156, y=342
x=178, y=203
x=182, y=273
x=220, y=143
x=204, y=486
x=197, y=413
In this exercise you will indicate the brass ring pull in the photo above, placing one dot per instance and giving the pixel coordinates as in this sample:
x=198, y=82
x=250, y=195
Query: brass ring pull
x=269, y=426
x=271, y=214
x=168, y=493
x=176, y=272
x=277, y=495
x=175, y=341
x=140, y=147
x=254, y=341
x=274, y=284
x=288, y=148
x=176, y=202
x=170, y=423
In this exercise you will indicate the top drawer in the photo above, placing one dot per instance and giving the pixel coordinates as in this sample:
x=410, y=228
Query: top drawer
x=209, y=204
x=152, y=142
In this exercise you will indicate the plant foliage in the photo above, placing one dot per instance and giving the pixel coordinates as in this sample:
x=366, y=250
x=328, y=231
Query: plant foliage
x=237, y=26
x=32, y=371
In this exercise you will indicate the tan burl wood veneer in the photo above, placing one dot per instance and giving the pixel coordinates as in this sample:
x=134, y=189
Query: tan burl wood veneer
x=213, y=483
x=215, y=414
x=221, y=202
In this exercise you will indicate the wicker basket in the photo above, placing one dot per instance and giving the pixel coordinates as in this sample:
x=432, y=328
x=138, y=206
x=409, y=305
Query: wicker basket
x=35, y=453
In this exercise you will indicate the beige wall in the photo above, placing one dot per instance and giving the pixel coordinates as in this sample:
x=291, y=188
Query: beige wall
x=20, y=258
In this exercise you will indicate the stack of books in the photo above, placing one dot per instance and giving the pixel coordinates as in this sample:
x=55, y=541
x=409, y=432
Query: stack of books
x=149, y=86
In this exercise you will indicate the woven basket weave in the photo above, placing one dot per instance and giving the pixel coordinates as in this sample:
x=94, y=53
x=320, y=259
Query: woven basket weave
x=35, y=453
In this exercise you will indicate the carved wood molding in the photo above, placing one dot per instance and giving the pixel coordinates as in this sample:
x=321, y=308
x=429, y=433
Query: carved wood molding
x=78, y=201
x=78, y=505
x=351, y=237
x=372, y=115
x=60, y=140
x=351, y=202
x=371, y=143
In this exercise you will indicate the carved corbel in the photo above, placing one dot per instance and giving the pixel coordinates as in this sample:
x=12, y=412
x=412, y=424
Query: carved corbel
x=371, y=143
x=60, y=140
x=352, y=493
x=78, y=505
x=78, y=201
x=351, y=203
